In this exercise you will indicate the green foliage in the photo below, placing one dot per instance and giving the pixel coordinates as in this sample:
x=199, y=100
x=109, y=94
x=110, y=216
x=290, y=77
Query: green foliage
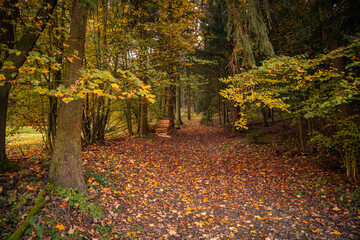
x=91, y=174
x=311, y=88
x=352, y=197
x=39, y=202
x=248, y=29
x=38, y=228
x=27, y=109
x=344, y=137
x=16, y=207
x=79, y=201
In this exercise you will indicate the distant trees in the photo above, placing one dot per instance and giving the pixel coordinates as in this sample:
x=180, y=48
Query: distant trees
x=116, y=68
x=317, y=88
x=139, y=59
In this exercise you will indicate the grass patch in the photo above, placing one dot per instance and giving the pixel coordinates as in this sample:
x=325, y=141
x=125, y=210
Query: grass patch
x=25, y=136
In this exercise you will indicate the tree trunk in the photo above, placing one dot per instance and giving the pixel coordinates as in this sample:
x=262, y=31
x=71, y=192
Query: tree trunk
x=165, y=102
x=128, y=118
x=86, y=124
x=66, y=165
x=51, y=128
x=137, y=116
x=105, y=119
x=144, y=129
x=265, y=115
x=189, y=102
x=224, y=113
x=300, y=131
x=234, y=114
x=24, y=45
x=178, y=106
x=4, y=96
x=7, y=37
x=171, y=103
x=227, y=115
x=332, y=42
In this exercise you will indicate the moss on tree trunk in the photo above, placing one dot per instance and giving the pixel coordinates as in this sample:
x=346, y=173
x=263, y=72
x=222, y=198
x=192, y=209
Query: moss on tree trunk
x=39, y=203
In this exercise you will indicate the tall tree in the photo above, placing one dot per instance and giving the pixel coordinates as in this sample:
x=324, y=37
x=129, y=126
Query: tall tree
x=247, y=27
x=15, y=60
x=66, y=164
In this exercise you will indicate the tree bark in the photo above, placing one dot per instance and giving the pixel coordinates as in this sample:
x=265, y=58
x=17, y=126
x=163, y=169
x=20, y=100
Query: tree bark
x=165, y=102
x=4, y=96
x=234, y=114
x=7, y=36
x=189, y=102
x=58, y=39
x=128, y=118
x=265, y=115
x=219, y=110
x=144, y=129
x=178, y=106
x=66, y=164
x=332, y=42
x=143, y=106
x=171, y=103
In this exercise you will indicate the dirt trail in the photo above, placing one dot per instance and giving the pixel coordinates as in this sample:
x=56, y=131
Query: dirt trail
x=200, y=184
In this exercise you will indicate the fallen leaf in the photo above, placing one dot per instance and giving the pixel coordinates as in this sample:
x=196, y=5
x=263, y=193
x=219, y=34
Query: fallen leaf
x=172, y=232
x=60, y=227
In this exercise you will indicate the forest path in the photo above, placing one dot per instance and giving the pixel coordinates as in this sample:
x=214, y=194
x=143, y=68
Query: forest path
x=200, y=184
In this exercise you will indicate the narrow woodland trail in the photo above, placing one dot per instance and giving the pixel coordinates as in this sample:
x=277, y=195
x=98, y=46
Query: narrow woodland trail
x=201, y=184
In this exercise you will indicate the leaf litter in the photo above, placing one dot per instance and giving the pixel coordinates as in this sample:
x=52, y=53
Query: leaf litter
x=201, y=184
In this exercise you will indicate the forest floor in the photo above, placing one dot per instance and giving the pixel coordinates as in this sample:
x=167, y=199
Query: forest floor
x=203, y=183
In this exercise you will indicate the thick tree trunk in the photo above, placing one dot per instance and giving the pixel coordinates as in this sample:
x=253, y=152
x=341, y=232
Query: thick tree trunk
x=8, y=14
x=171, y=104
x=4, y=96
x=66, y=165
x=7, y=37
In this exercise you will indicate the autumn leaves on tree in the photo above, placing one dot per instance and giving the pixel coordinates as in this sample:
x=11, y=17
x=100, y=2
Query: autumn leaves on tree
x=88, y=83
x=103, y=66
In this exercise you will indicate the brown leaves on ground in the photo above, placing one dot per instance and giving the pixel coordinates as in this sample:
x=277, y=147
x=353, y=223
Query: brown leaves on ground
x=202, y=185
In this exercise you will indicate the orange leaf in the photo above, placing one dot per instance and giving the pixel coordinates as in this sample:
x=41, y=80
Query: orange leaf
x=60, y=227
x=90, y=180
